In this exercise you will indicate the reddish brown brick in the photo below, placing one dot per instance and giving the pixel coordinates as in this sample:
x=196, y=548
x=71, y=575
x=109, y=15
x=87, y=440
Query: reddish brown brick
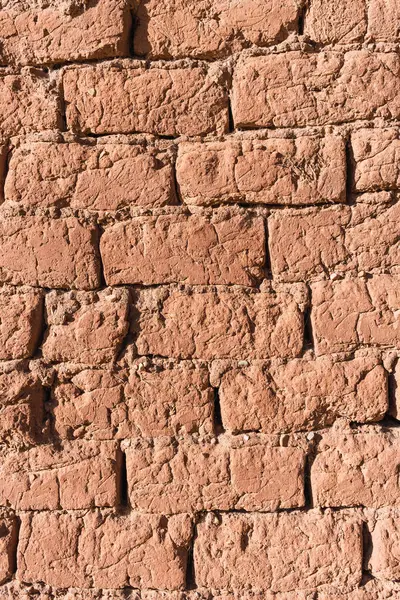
x=57, y=253
x=304, y=170
x=302, y=394
x=8, y=545
x=21, y=322
x=341, y=22
x=354, y=312
x=57, y=33
x=29, y=102
x=376, y=154
x=383, y=20
x=295, y=89
x=308, y=244
x=21, y=405
x=384, y=560
x=228, y=323
x=150, y=403
x=257, y=551
x=77, y=475
x=207, y=29
x=100, y=177
x=85, y=327
x=186, y=475
x=159, y=99
x=225, y=248
x=357, y=469
x=73, y=549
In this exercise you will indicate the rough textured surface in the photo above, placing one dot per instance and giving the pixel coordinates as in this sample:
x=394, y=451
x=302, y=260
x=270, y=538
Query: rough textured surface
x=103, y=177
x=302, y=394
x=355, y=312
x=256, y=551
x=140, y=556
x=220, y=324
x=306, y=170
x=72, y=476
x=199, y=299
x=173, y=476
x=104, y=405
x=85, y=327
x=57, y=253
x=228, y=248
x=57, y=33
x=296, y=89
x=21, y=313
x=205, y=29
x=357, y=469
x=108, y=98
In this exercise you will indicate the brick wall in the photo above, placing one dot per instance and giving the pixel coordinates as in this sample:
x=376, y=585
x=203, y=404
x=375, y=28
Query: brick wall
x=199, y=300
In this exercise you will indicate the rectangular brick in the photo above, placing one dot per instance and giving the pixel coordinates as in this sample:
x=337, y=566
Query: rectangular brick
x=53, y=253
x=357, y=468
x=294, y=89
x=371, y=589
x=302, y=394
x=106, y=176
x=353, y=312
x=304, y=170
x=309, y=244
x=384, y=563
x=85, y=327
x=104, y=550
x=21, y=405
x=8, y=545
x=213, y=475
x=223, y=323
x=260, y=552
x=383, y=20
x=132, y=97
x=21, y=322
x=150, y=403
x=340, y=22
x=61, y=32
x=376, y=156
x=227, y=247
x=29, y=102
x=208, y=30
x=76, y=475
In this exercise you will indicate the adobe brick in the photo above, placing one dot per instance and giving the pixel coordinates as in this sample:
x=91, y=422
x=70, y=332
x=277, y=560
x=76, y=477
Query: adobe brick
x=132, y=97
x=21, y=322
x=303, y=170
x=341, y=22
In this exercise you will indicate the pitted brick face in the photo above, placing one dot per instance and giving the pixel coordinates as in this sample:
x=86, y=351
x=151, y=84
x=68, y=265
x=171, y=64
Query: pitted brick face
x=199, y=299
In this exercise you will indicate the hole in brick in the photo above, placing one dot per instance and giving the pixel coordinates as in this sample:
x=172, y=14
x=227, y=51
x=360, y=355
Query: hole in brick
x=218, y=424
x=231, y=122
x=392, y=389
x=123, y=483
x=308, y=331
x=300, y=23
x=190, y=571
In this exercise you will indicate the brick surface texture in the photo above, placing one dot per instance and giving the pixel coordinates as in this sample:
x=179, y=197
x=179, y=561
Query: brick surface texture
x=199, y=300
